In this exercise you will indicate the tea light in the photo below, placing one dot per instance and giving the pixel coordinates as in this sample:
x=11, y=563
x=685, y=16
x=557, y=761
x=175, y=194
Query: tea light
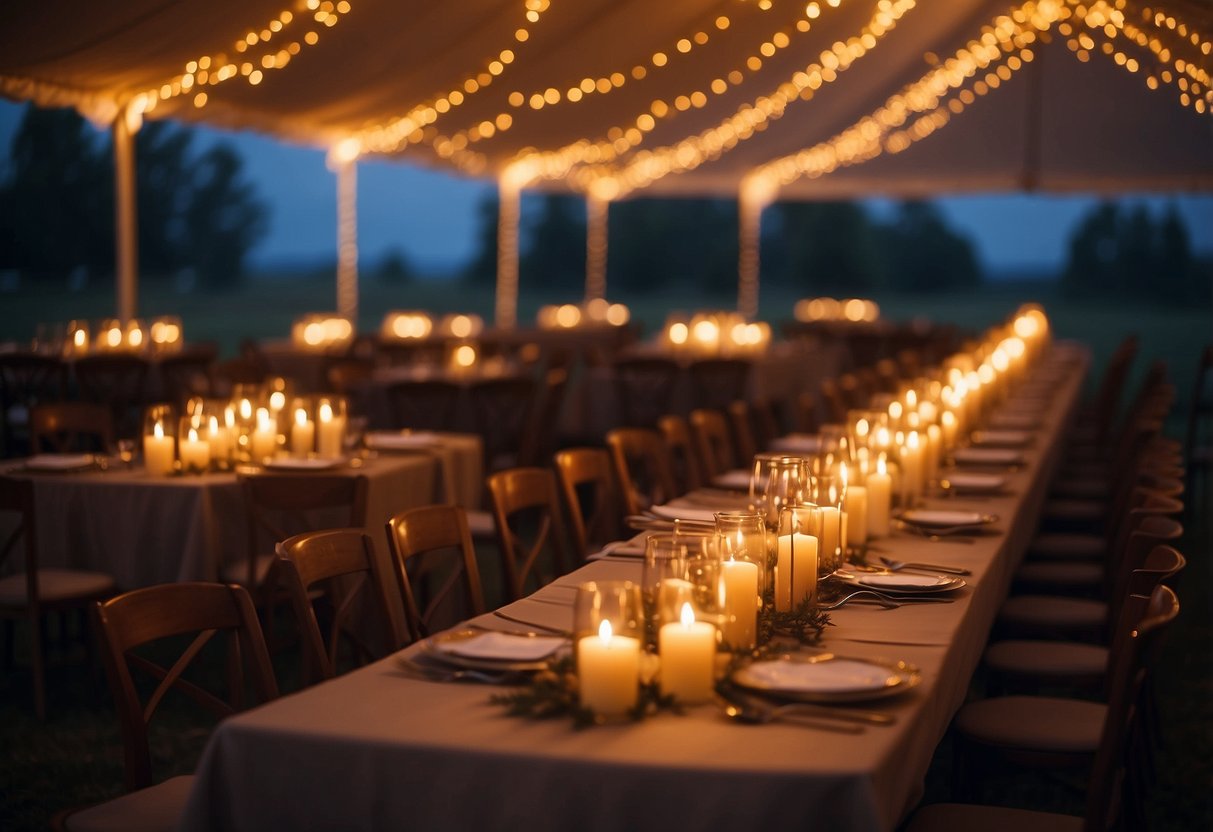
x=158, y=452
x=688, y=656
x=195, y=452
x=608, y=668
x=265, y=435
x=331, y=431
x=740, y=584
x=303, y=434
x=795, y=570
x=879, y=487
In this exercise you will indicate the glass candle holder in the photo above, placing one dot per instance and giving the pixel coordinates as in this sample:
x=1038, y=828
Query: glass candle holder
x=663, y=577
x=760, y=476
x=302, y=434
x=744, y=558
x=797, y=556
x=608, y=631
x=787, y=485
x=829, y=491
x=159, y=443
x=193, y=445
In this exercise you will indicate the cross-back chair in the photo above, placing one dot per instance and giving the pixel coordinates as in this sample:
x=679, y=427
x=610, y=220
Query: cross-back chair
x=644, y=389
x=342, y=562
x=26, y=380
x=592, y=497
x=684, y=458
x=502, y=409
x=713, y=445
x=539, y=441
x=643, y=467
x=717, y=381
x=432, y=550
x=118, y=381
x=530, y=527
x=62, y=427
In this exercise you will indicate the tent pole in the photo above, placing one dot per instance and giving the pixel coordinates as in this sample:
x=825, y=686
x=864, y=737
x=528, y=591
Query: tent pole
x=347, y=240
x=126, y=228
x=509, y=207
x=596, y=212
x=749, y=216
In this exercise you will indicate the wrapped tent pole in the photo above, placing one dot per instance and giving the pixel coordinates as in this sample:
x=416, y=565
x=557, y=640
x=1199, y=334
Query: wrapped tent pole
x=596, y=211
x=347, y=238
x=509, y=208
x=126, y=225
x=757, y=192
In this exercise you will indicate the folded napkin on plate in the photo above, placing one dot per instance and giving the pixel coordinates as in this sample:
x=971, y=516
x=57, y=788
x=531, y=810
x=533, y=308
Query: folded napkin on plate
x=619, y=549
x=698, y=515
x=58, y=462
x=391, y=441
x=504, y=646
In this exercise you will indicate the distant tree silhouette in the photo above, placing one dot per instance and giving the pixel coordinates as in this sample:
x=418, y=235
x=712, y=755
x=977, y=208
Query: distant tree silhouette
x=828, y=248
x=482, y=269
x=394, y=268
x=657, y=242
x=554, y=245
x=923, y=254
x=196, y=213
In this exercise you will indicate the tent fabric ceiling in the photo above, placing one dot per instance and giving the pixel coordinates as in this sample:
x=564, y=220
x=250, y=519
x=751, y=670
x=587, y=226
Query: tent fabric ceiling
x=1058, y=124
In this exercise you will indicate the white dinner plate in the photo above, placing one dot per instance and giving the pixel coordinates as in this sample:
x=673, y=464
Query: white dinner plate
x=289, y=463
x=826, y=678
x=902, y=583
x=935, y=519
x=1000, y=438
x=698, y=515
x=59, y=462
x=489, y=650
x=975, y=482
x=987, y=456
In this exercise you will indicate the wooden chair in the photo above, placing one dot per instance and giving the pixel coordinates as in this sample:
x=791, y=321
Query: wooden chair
x=432, y=546
x=831, y=398
x=154, y=614
x=239, y=370
x=26, y=380
x=742, y=428
x=29, y=592
x=189, y=373
x=540, y=440
x=1054, y=732
x=642, y=466
x=713, y=446
x=118, y=381
x=276, y=506
x=422, y=405
x=684, y=458
x=717, y=381
x=64, y=427
x=644, y=388
x=502, y=410
x=530, y=527
x=592, y=497
x=1198, y=436
x=343, y=562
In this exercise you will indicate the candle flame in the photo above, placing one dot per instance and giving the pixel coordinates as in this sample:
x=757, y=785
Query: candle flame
x=301, y=417
x=687, y=615
x=193, y=434
x=158, y=431
x=326, y=412
x=604, y=631
x=881, y=468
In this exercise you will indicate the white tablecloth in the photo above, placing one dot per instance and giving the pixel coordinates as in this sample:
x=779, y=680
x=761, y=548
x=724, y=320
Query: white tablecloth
x=378, y=749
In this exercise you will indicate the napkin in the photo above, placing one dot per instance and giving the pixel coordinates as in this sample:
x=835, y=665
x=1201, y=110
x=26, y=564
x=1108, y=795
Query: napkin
x=58, y=462
x=391, y=441
x=503, y=646
x=699, y=515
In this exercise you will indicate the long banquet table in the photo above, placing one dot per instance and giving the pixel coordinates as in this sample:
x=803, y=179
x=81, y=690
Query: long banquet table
x=379, y=748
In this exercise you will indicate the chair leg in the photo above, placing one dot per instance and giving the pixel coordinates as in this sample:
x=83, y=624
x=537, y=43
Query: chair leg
x=38, y=663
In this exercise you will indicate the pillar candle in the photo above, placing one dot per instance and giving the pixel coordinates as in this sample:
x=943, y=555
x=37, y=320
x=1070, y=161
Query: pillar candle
x=831, y=537
x=795, y=570
x=265, y=436
x=879, y=487
x=608, y=670
x=911, y=468
x=934, y=452
x=195, y=452
x=158, y=452
x=856, y=504
x=219, y=437
x=688, y=657
x=740, y=579
x=331, y=430
x=303, y=434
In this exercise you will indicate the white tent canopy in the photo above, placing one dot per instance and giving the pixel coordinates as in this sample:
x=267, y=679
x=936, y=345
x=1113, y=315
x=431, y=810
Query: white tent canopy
x=1057, y=123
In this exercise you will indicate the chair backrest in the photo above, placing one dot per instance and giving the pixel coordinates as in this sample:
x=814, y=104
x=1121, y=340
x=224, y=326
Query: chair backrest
x=741, y=422
x=422, y=405
x=644, y=388
x=432, y=550
x=714, y=447
x=190, y=372
x=539, y=441
x=501, y=412
x=717, y=381
x=71, y=426
x=151, y=614
x=642, y=466
x=835, y=405
x=1199, y=428
x=592, y=497
x=323, y=557
x=1105, y=404
x=119, y=381
x=277, y=503
x=530, y=527
x=17, y=497
x=688, y=475
x=27, y=380
x=1142, y=621
x=1148, y=561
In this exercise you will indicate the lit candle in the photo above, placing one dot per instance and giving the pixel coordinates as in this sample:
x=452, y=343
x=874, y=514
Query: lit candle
x=220, y=440
x=303, y=434
x=911, y=468
x=688, y=657
x=831, y=537
x=158, y=452
x=879, y=487
x=740, y=584
x=948, y=424
x=672, y=593
x=856, y=504
x=331, y=431
x=265, y=437
x=608, y=668
x=795, y=570
x=934, y=453
x=195, y=452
